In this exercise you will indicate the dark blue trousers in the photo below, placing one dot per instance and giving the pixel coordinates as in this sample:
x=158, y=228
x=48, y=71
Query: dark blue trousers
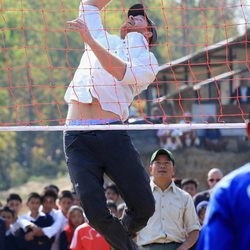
x=90, y=154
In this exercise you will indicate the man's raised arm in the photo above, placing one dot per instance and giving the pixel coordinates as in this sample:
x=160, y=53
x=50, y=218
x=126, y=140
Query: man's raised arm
x=100, y=4
x=111, y=63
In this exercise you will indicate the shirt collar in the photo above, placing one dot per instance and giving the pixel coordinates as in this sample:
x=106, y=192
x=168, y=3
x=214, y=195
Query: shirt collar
x=11, y=230
x=172, y=186
x=40, y=213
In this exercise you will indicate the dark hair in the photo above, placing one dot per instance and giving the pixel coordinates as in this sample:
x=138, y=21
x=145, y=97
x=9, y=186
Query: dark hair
x=35, y=196
x=111, y=204
x=189, y=181
x=49, y=193
x=66, y=194
x=14, y=196
x=8, y=210
x=177, y=181
x=51, y=187
x=76, y=208
x=113, y=187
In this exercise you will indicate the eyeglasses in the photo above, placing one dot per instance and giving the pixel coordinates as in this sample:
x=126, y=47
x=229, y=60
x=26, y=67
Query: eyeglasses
x=214, y=180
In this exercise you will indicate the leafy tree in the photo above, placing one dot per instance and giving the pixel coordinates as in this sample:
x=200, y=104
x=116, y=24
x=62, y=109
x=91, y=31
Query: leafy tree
x=38, y=58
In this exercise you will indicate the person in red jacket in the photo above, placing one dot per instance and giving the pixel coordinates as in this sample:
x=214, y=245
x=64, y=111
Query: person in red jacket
x=87, y=238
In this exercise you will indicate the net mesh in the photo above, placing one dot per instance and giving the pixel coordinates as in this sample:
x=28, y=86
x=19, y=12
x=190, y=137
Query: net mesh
x=202, y=47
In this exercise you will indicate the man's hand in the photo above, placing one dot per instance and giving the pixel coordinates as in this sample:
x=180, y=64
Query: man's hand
x=123, y=30
x=111, y=63
x=80, y=26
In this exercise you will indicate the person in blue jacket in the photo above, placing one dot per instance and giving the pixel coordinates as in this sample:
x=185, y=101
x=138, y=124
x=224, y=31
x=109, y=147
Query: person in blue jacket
x=227, y=221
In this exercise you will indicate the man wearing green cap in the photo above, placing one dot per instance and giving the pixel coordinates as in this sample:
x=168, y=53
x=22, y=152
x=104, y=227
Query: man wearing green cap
x=174, y=224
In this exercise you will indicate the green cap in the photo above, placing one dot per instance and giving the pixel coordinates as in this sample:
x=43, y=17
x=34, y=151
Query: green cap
x=162, y=151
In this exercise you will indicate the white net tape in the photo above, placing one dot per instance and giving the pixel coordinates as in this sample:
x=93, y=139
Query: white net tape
x=127, y=127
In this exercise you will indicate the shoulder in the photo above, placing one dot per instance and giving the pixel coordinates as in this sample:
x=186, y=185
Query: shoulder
x=82, y=227
x=182, y=194
x=58, y=214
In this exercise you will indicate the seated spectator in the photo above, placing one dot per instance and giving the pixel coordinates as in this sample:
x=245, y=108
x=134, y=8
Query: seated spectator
x=112, y=193
x=213, y=177
x=39, y=219
x=120, y=209
x=201, y=211
x=75, y=218
x=213, y=139
x=162, y=134
x=189, y=137
x=242, y=93
x=87, y=238
x=112, y=208
x=190, y=186
x=173, y=141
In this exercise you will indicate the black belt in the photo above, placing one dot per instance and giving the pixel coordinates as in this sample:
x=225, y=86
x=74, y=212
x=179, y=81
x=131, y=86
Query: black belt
x=164, y=243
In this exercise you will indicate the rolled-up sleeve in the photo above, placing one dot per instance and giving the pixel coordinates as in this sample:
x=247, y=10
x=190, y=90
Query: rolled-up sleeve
x=91, y=16
x=141, y=71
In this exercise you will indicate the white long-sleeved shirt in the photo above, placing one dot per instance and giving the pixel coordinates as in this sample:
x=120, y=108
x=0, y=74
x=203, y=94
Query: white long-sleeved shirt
x=92, y=80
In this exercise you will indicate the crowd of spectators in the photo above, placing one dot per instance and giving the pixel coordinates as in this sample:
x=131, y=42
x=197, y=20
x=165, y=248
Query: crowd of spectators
x=55, y=219
x=176, y=139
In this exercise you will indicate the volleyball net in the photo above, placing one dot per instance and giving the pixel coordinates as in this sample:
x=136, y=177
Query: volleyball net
x=202, y=47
